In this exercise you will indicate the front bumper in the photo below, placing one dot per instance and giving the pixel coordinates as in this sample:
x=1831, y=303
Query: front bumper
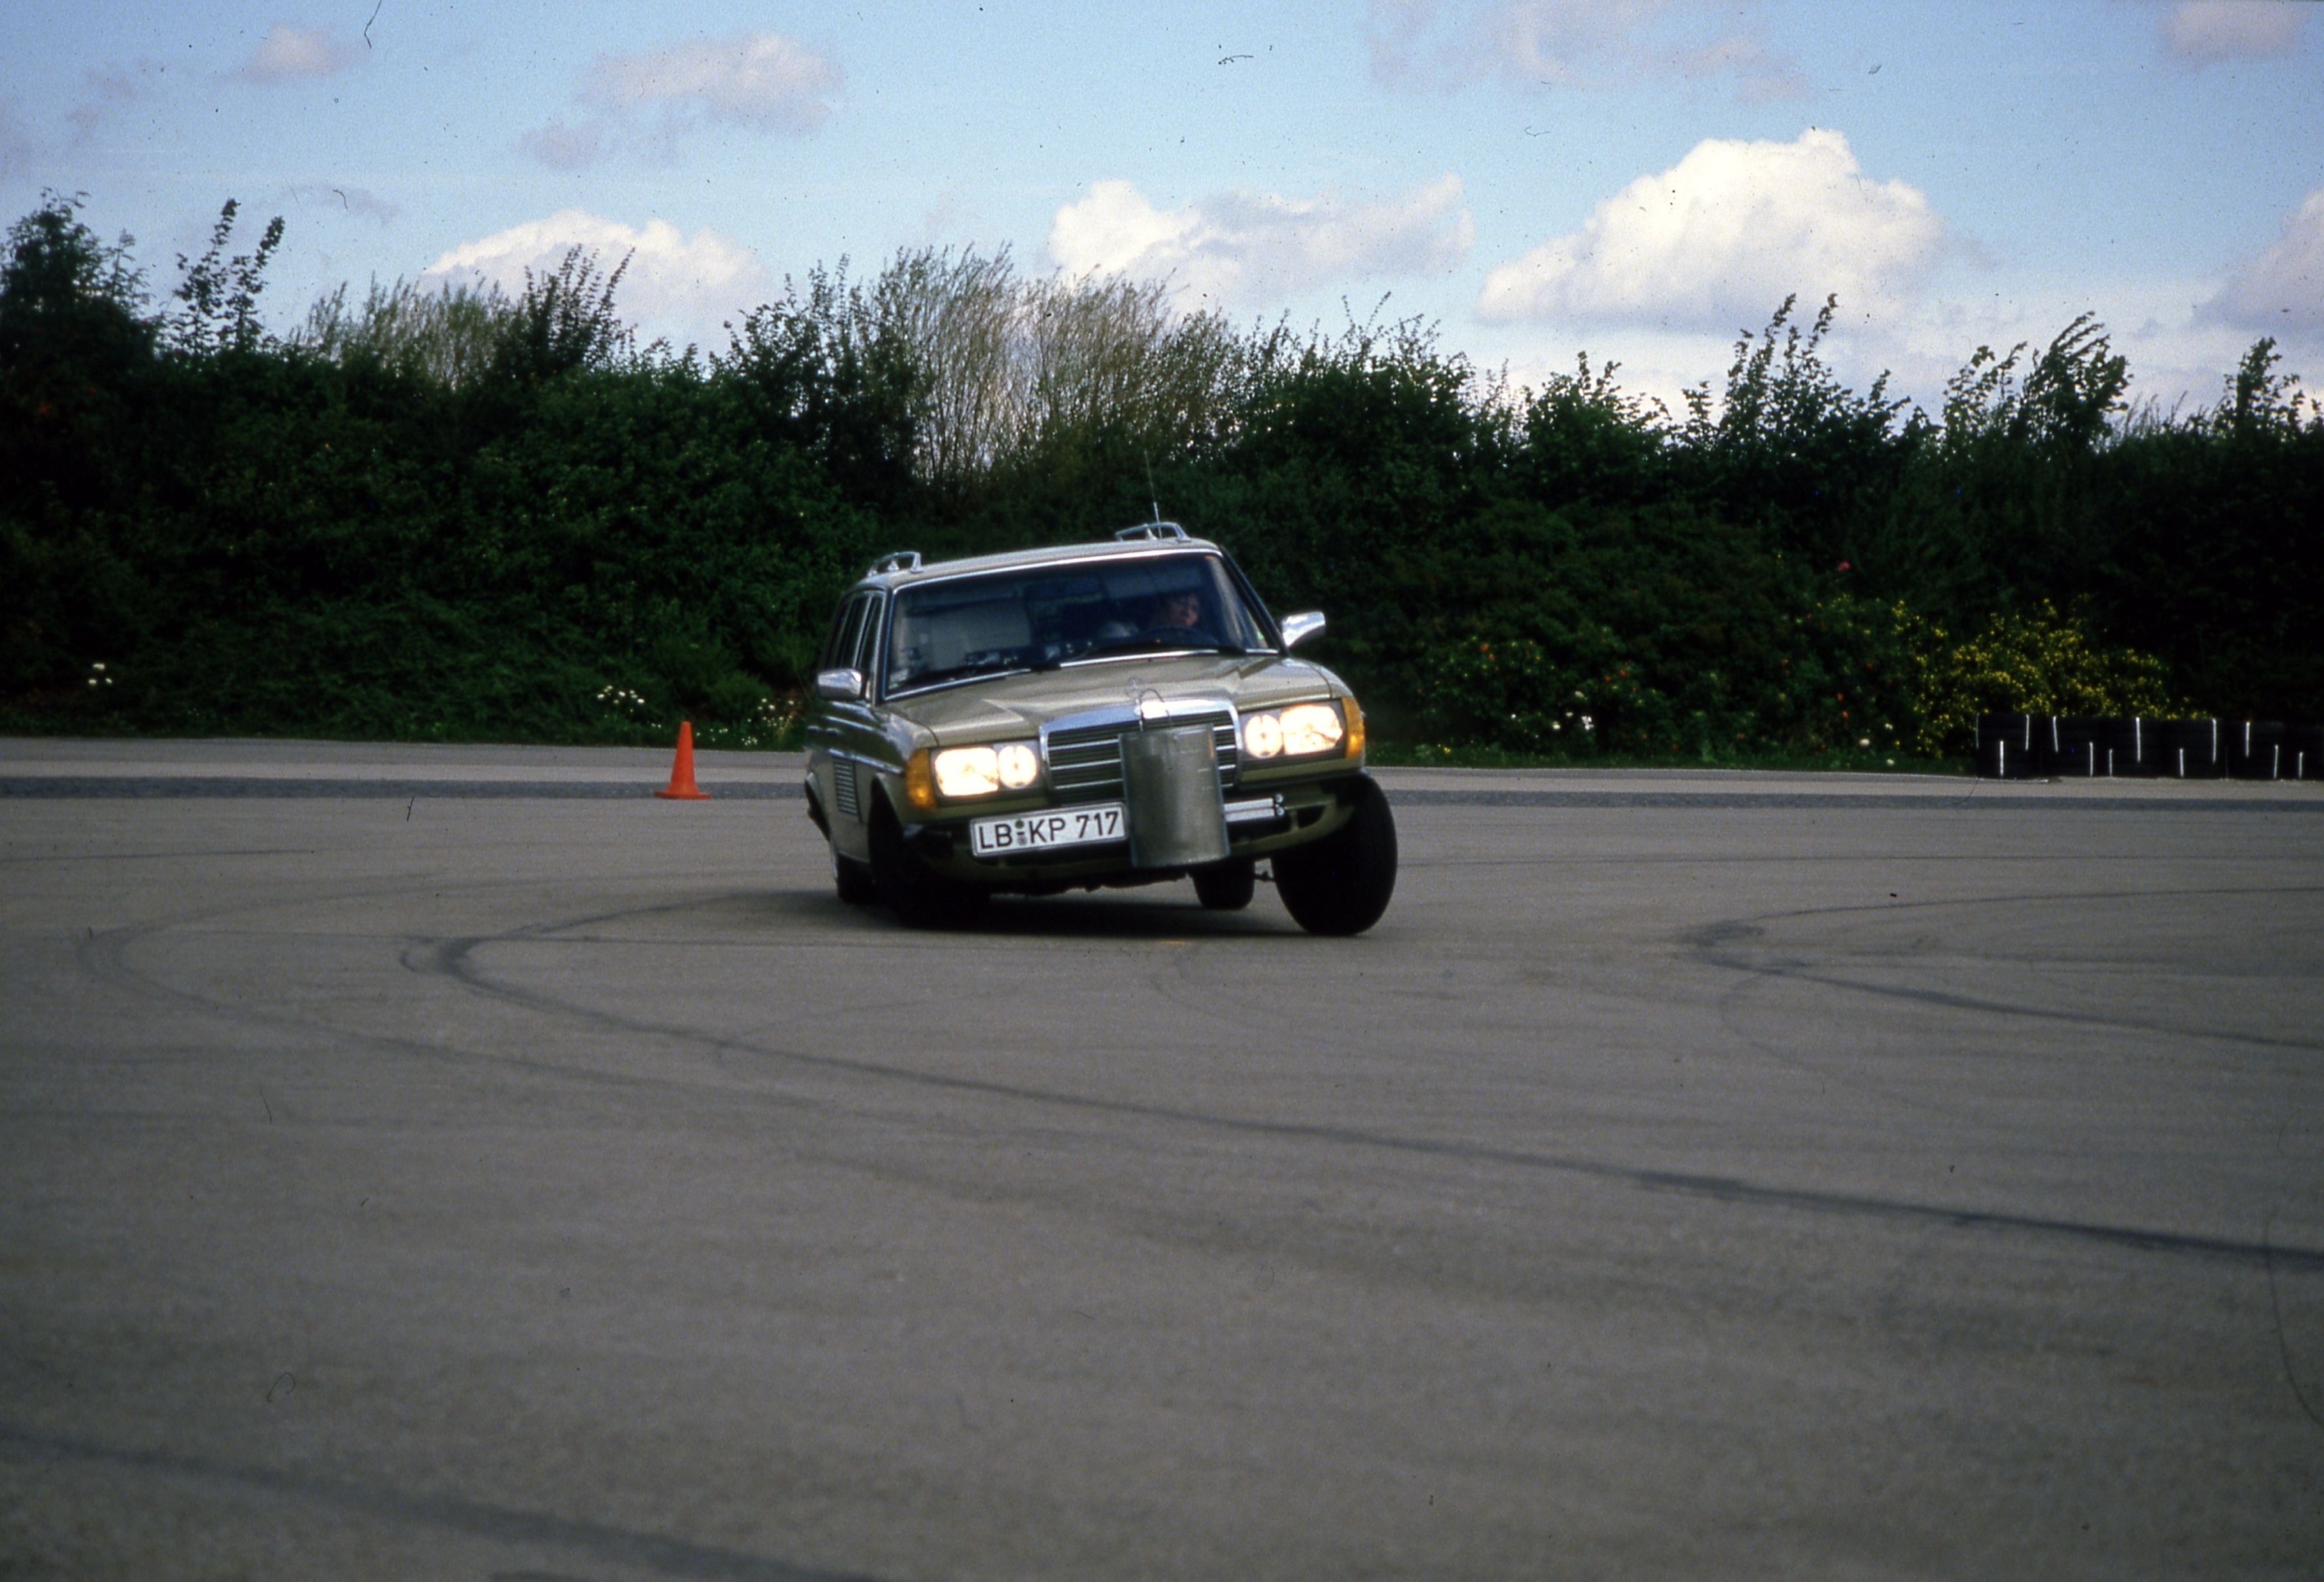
x=1261, y=820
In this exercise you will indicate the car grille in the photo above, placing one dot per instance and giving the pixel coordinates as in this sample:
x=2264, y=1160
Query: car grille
x=1086, y=762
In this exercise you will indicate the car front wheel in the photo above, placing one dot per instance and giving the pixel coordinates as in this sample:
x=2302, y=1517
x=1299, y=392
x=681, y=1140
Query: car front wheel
x=921, y=896
x=852, y=880
x=1225, y=887
x=1341, y=884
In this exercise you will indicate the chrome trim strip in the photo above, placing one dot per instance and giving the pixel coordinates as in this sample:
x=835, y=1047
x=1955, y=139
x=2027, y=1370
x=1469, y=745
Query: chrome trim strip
x=1257, y=810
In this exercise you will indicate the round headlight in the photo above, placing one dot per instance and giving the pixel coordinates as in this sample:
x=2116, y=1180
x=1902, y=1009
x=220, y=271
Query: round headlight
x=1020, y=765
x=1262, y=735
x=1310, y=728
x=968, y=771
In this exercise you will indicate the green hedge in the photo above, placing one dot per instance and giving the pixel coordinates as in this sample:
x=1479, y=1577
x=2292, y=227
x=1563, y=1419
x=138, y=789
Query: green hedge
x=543, y=533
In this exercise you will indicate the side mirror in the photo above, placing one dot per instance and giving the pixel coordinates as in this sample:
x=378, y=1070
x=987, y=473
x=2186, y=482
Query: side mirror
x=1297, y=629
x=841, y=686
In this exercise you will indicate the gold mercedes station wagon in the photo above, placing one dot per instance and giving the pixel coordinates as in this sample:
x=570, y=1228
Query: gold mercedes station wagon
x=1098, y=714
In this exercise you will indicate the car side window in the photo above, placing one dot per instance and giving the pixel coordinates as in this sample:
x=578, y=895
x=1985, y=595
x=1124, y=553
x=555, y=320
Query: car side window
x=846, y=634
x=831, y=637
x=867, y=637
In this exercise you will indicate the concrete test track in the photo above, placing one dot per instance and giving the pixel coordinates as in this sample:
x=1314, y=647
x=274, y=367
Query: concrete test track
x=457, y=1164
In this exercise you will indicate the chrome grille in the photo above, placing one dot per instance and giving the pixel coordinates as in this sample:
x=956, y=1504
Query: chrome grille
x=845, y=791
x=1085, y=761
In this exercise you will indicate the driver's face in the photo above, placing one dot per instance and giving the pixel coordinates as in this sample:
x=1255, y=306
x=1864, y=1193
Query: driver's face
x=1180, y=608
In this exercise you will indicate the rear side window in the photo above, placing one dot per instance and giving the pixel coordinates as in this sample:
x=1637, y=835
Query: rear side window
x=867, y=635
x=846, y=634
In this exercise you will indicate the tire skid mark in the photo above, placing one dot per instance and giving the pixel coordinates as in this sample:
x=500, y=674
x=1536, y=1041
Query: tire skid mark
x=458, y=959
x=372, y=1497
x=1968, y=800
x=1790, y=860
x=1730, y=1012
x=1715, y=945
x=203, y=854
x=2011, y=899
x=104, y=957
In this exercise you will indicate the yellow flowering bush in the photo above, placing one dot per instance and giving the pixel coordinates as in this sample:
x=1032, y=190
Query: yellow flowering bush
x=2029, y=661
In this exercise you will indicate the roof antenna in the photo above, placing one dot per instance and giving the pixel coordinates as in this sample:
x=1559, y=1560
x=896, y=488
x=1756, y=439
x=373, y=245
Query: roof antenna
x=1153, y=493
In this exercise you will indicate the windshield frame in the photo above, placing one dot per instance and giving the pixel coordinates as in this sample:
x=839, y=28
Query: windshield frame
x=1270, y=635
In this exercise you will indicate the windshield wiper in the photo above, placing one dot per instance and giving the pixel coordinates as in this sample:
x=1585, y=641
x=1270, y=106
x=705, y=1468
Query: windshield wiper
x=962, y=673
x=1157, y=641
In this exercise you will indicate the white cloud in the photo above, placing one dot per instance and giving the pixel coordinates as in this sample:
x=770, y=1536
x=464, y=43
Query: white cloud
x=2202, y=31
x=2280, y=292
x=1257, y=249
x=1759, y=76
x=761, y=79
x=676, y=285
x=1573, y=43
x=655, y=97
x=1721, y=237
x=289, y=52
x=1557, y=41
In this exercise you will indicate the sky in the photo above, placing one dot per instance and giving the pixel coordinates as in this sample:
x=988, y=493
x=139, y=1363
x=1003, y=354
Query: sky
x=1637, y=180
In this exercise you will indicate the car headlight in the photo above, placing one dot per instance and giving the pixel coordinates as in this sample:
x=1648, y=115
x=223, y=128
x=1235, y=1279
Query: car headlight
x=1300, y=730
x=1310, y=728
x=1262, y=735
x=1020, y=765
x=968, y=771
x=980, y=771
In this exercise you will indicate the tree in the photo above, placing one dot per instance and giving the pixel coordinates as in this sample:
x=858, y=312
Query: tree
x=565, y=323
x=67, y=299
x=449, y=337
x=221, y=294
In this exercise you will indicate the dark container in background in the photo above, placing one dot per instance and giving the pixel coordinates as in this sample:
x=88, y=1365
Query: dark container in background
x=2032, y=747
x=2255, y=750
x=2007, y=749
x=2190, y=750
x=2127, y=749
x=2077, y=749
x=2303, y=753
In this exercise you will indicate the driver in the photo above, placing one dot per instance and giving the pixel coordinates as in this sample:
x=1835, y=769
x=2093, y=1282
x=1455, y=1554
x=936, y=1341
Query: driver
x=1179, y=612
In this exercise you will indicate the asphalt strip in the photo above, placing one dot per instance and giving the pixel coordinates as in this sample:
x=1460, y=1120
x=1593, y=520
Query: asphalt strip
x=53, y=787
x=67, y=788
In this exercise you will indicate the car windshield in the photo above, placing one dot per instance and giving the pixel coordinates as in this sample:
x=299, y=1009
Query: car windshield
x=1045, y=616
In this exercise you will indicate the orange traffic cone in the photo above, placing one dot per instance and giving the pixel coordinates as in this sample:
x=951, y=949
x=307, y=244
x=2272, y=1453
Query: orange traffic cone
x=681, y=773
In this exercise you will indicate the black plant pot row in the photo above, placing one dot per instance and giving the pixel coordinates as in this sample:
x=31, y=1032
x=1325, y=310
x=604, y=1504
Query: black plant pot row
x=2042, y=747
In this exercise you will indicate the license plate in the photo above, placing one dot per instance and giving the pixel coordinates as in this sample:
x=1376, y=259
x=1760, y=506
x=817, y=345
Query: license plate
x=1007, y=835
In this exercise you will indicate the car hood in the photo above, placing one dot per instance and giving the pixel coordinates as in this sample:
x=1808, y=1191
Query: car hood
x=990, y=710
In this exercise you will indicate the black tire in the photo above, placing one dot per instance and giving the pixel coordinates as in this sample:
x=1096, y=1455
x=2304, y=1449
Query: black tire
x=920, y=897
x=852, y=878
x=1225, y=887
x=1341, y=884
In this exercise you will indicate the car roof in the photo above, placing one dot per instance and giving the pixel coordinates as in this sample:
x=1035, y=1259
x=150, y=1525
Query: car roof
x=903, y=570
